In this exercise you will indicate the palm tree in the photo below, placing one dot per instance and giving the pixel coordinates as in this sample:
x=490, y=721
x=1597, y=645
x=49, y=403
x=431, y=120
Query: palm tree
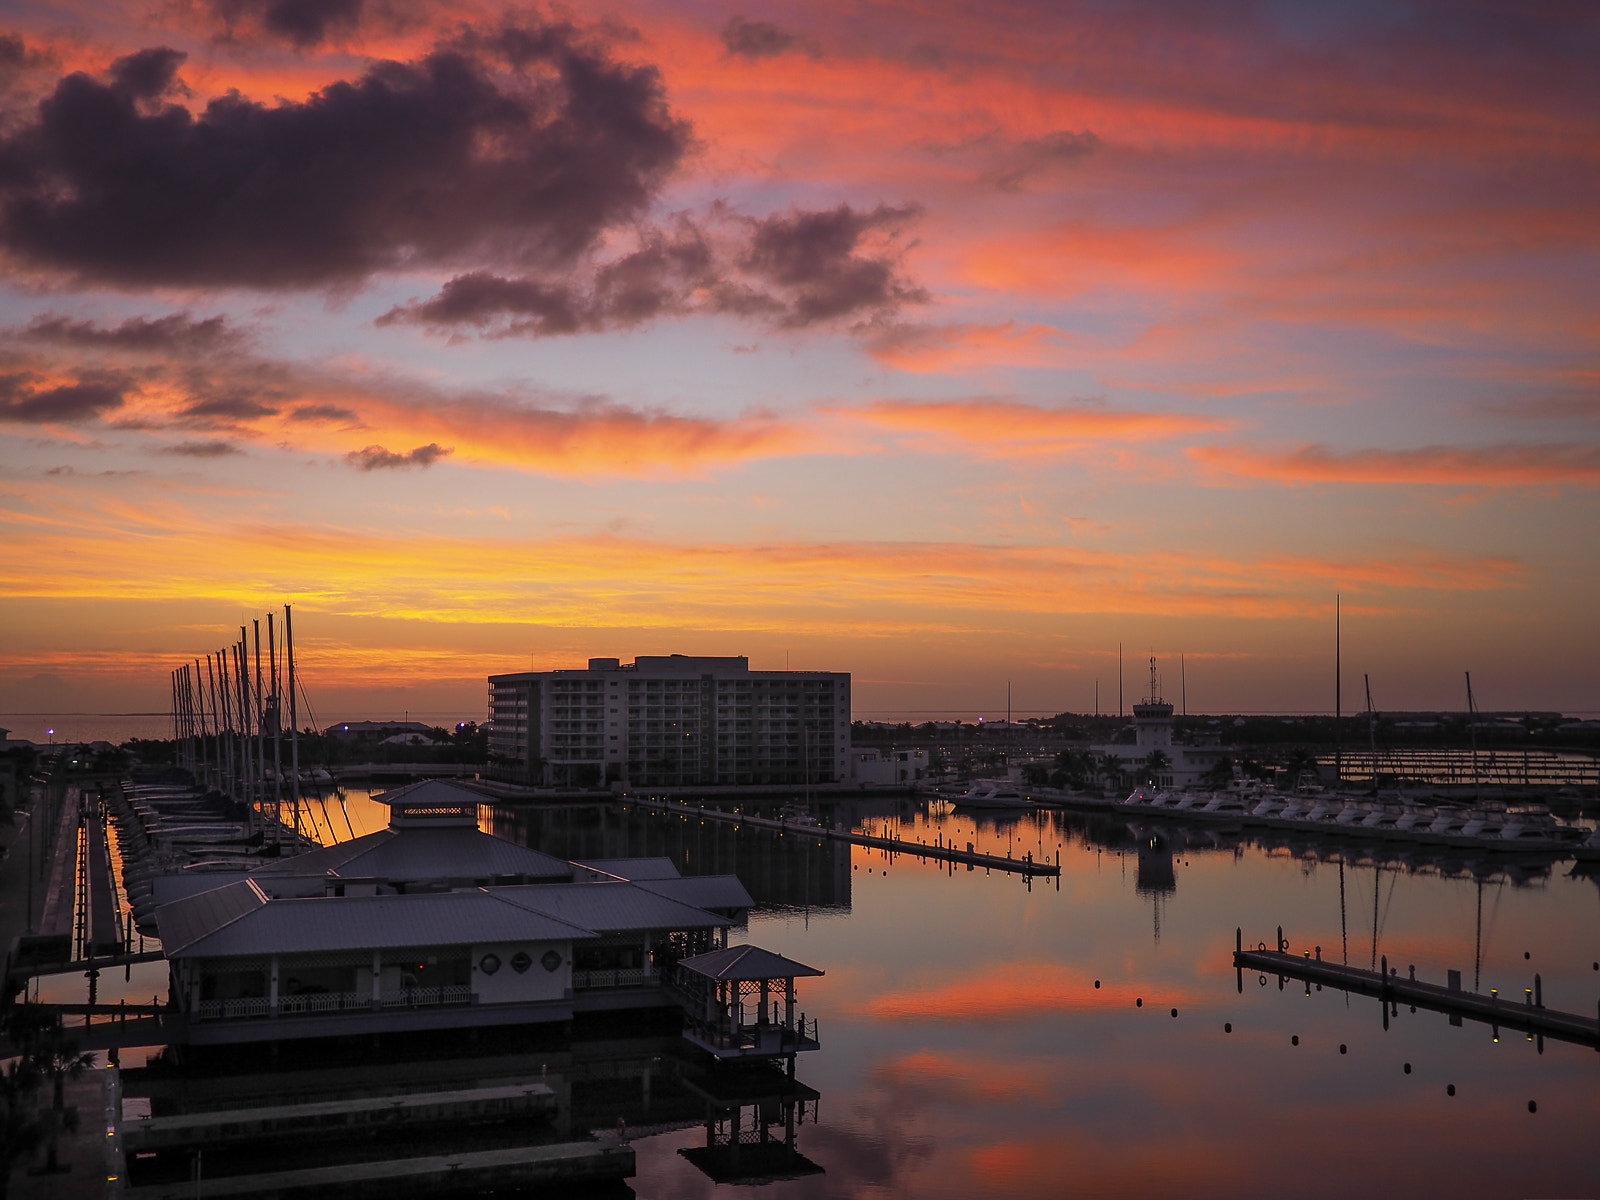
x=48, y=1053
x=1220, y=775
x=19, y=1124
x=1300, y=763
x=1155, y=763
x=1111, y=767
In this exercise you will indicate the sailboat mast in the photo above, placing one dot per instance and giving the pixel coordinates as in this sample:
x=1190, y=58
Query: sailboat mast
x=205, y=744
x=277, y=726
x=225, y=730
x=1372, y=737
x=261, y=733
x=1472, y=729
x=1338, y=699
x=294, y=724
x=241, y=704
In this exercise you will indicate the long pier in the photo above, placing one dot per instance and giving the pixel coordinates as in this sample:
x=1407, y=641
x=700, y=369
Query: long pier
x=1528, y=1017
x=938, y=851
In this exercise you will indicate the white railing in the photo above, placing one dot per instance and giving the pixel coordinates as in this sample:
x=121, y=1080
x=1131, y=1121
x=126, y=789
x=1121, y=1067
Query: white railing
x=610, y=977
x=248, y=1006
x=426, y=997
x=330, y=1002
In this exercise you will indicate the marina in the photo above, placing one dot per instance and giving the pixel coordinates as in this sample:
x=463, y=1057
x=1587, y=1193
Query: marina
x=292, y=983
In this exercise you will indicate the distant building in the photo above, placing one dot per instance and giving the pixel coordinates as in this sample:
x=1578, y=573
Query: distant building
x=376, y=731
x=1152, y=721
x=670, y=721
x=871, y=767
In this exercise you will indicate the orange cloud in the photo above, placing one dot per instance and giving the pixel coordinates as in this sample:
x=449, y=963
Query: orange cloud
x=931, y=349
x=1012, y=429
x=1454, y=466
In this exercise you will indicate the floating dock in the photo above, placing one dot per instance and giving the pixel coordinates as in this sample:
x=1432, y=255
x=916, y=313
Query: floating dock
x=340, y=1118
x=469, y=1173
x=1529, y=1017
x=940, y=852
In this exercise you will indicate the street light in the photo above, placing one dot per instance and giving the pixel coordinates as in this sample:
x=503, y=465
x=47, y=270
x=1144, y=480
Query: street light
x=52, y=734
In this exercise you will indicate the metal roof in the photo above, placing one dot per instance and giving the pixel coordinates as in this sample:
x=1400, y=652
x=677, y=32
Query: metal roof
x=632, y=868
x=432, y=791
x=746, y=963
x=220, y=925
x=702, y=891
x=416, y=853
x=610, y=906
x=186, y=921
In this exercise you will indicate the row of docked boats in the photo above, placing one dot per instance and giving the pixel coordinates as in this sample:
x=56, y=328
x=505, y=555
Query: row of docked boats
x=175, y=829
x=1505, y=829
x=992, y=794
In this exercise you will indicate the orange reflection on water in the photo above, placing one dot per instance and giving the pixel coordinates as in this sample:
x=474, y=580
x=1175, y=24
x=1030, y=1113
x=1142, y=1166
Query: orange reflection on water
x=1017, y=990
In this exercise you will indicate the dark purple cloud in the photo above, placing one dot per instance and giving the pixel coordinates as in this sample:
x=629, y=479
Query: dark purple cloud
x=323, y=412
x=202, y=449
x=148, y=74
x=481, y=298
x=792, y=269
x=1036, y=155
x=177, y=333
x=813, y=260
x=226, y=410
x=518, y=145
x=373, y=458
x=91, y=396
x=301, y=23
x=763, y=39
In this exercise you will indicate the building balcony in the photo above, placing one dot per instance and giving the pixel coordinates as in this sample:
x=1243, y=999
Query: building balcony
x=764, y=1039
x=334, y=1002
x=614, y=977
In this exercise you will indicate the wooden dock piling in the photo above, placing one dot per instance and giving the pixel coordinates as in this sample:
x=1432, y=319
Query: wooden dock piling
x=942, y=853
x=1532, y=1018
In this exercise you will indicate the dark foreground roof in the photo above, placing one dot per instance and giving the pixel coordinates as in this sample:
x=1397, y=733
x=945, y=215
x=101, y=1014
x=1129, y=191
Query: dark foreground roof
x=743, y=963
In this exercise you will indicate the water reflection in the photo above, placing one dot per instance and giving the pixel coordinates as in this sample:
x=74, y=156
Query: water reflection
x=968, y=1050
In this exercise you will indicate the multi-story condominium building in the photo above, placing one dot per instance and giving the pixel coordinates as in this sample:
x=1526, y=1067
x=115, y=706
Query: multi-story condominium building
x=670, y=720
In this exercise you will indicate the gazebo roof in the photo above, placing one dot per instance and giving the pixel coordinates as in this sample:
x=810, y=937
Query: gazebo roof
x=745, y=963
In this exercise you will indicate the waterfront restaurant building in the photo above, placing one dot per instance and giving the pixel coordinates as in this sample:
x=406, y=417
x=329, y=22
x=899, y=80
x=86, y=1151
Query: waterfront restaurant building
x=430, y=924
x=669, y=721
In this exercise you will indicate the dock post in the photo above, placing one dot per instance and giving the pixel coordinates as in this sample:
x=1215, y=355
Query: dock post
x=1538, y=991
x=1280, y=939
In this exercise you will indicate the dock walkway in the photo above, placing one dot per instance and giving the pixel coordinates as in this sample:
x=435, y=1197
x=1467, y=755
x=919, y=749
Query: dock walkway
x=1529, y=1017
x=937, y=851
x=468, y=1173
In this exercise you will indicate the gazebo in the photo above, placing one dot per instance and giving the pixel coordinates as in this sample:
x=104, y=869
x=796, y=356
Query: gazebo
x=738, y=1003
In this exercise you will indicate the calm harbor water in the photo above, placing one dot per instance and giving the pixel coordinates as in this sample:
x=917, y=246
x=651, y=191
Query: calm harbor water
x=966, y=1049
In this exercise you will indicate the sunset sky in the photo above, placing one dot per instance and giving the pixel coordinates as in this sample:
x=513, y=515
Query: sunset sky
x=941, y=343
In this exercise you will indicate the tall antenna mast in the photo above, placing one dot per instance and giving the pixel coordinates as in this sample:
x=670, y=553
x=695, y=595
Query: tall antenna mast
x=1372, y=737
x=1472, y=728
x=1119, y=681
x=1183, y=684
x=1155, y=690
x=1338, y=702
